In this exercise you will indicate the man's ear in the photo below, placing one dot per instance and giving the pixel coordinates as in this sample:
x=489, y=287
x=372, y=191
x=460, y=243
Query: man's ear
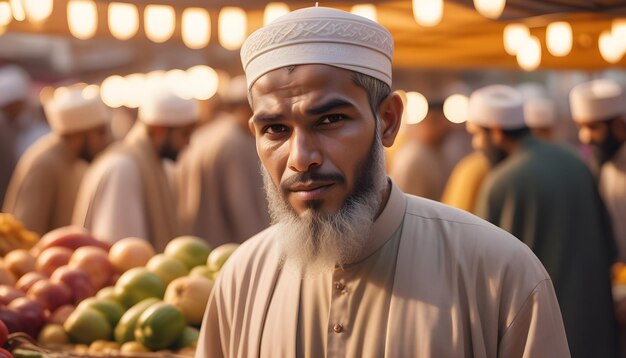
x=390, y=114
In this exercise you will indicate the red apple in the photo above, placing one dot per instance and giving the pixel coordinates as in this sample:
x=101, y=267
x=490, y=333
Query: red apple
x=52, y=258
x=11, y=319
x=19, y=262
x=5, y=354
x=60, y=314
x=95, y=261
x=9, y=293
x=77, y=280
x=50, y=295
x=71, y=237
x=26, y=281
x=33, y=315
x=4, y=333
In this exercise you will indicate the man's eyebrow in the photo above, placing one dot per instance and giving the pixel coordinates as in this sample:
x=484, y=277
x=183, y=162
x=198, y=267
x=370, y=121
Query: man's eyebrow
x=266, y=117
x=329, y=106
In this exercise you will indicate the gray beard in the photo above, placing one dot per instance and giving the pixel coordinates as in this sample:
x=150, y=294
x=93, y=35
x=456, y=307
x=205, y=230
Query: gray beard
x=314, y=242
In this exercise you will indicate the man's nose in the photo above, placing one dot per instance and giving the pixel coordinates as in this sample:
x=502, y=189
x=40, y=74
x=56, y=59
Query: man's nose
x=304, y=152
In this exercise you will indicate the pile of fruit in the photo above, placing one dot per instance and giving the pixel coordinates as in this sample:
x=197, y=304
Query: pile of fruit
x=72, y=289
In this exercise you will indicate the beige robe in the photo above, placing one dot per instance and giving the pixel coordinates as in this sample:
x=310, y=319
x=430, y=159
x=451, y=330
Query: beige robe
x=465, y=181
x=220, y=187
x=613, y=191
x=418, y=170
x=461, y=287
x=126, y=193
x=44, y=185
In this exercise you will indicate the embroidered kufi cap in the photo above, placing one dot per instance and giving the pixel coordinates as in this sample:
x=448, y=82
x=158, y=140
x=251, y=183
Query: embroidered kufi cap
x=319, y=35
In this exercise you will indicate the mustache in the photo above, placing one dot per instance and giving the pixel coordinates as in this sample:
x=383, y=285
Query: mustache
x=302, y=178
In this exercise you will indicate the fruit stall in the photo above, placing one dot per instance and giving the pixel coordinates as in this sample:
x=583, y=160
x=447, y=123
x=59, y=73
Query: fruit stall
x=68, y=294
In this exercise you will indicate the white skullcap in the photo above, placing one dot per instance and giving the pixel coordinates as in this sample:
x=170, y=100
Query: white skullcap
x=497, y=105
x=540, y=113
x=319, y=35
x=597, y=100
x=164, y=108
x=72, y=110
x=14, y=84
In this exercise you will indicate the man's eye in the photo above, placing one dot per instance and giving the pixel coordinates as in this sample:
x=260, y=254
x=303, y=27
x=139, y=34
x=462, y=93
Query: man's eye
x=275, y=129
x=332, y=118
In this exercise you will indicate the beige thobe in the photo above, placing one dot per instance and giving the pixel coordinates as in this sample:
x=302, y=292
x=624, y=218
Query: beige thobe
x=613, y=191
x=126, y=193
x=417, y=170
x=44, y=185
x=220, y=187
x=457, y=286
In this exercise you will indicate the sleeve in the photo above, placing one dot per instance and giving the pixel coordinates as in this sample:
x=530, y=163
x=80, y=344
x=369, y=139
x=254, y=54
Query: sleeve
x=31, y=200
x=537, y=329
x=118, y=209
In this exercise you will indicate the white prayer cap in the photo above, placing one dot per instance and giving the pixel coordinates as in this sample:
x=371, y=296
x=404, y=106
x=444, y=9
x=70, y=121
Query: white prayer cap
x=497, y=105
x=74, y=110
x=319, y=35
x=540, y=113
x=14, y=84
x=597, y=100
x=164, y=108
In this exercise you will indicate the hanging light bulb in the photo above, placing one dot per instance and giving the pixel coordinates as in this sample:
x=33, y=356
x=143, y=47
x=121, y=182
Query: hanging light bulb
x=618, y=29
x=82, y=18
x=18, y=10
x=178, y=82
x=204, y=82
x=366, y=10
x=428, y=12
x=232, y=27
x=416, y=107
x=160, y=21
x=196, y=27
x=37, y=10
x=559, y=38
x=135, y=90
x=514, y=35
x=490, y=8
x=123, y=20
x=529, y=55
x=5, y=14
x=610, y=48
x=113, y=91
x=273, y=11
x=455, y=108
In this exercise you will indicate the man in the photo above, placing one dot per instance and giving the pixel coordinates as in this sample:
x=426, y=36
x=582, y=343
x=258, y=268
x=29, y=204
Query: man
x=45, y=183
x=544, y=195
x=599, y=109
x=14, y=89
x=126, y=192
x=463, y=185
x=220, y=188
x=418, y=167
x=353, y=267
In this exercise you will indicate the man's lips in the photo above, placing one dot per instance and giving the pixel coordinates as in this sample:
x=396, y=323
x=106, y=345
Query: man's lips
x=310, y=190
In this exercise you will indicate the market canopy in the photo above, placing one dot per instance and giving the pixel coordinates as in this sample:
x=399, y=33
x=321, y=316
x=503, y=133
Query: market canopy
x=463, y=39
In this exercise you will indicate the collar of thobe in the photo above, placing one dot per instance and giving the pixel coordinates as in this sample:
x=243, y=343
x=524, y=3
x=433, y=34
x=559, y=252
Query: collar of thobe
x=386, y=224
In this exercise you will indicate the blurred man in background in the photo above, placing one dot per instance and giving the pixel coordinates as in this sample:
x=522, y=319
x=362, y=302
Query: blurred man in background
x=45, y=183
x=126, y=192
x=220, y=187
x=541, y=118
x=14, y=91
x=545, y=196
x=418, y=166
x=599, y=109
